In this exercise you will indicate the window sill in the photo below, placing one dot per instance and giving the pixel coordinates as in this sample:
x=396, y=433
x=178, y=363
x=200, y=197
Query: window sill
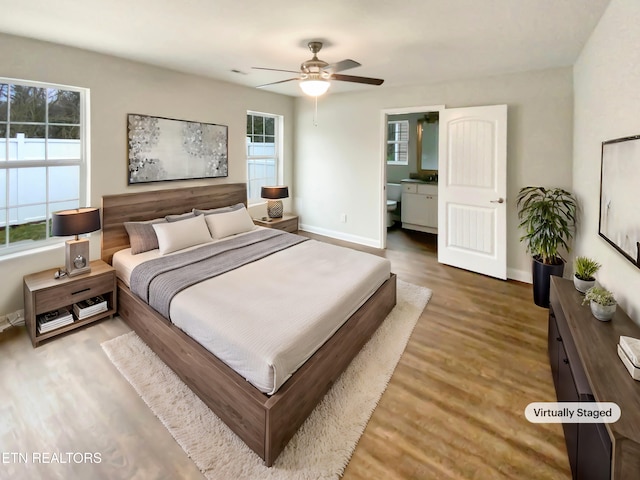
x=32, y=251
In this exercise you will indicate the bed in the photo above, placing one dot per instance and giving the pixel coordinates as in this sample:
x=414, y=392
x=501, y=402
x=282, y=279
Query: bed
x=264, y=417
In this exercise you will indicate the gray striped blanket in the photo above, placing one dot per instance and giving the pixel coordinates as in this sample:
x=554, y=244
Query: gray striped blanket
x=158, y=281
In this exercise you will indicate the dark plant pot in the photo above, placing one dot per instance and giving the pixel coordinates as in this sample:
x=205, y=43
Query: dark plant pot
x=542, y=280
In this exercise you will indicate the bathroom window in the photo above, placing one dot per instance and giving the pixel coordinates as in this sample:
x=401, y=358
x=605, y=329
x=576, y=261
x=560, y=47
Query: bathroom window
x=398, y=142
x=264, y=158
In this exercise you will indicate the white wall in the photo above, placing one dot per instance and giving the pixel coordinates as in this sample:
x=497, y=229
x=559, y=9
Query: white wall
x=607, y=106
x=338, y=162
x=119, y=87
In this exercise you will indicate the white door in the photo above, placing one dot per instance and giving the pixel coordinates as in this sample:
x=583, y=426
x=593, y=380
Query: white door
x=472, y=189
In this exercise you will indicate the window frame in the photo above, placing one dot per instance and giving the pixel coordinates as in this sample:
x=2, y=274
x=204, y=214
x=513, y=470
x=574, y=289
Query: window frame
x=83, y=164
x=277, y=157
x=399, y=143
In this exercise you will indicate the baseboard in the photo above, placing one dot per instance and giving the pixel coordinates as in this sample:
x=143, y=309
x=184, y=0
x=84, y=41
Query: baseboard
x=519, y=275
x=369, y=242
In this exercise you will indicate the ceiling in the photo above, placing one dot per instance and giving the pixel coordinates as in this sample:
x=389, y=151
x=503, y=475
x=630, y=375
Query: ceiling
x=405, y=42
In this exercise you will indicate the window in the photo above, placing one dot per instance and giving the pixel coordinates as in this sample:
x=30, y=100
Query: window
x=263, y=153
x=398, y=142
x=42, y=159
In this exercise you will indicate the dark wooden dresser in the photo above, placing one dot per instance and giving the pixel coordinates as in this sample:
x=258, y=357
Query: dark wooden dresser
x=586, y=368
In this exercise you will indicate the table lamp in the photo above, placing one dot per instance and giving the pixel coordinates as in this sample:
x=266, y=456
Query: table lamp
x=76, y=222
x=274, y=204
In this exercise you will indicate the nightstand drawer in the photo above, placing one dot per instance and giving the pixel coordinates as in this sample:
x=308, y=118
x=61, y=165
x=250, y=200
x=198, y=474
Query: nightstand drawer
x=290, y=226
x=287, y=223
x=52, y=298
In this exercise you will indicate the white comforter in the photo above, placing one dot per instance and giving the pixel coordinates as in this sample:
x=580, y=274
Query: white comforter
x=267, y=318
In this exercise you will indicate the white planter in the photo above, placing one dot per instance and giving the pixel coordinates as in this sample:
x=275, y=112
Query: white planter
x=583, y=285
x=602, y=312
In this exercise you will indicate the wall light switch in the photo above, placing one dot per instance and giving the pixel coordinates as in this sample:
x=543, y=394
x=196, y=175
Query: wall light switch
x=343, y=217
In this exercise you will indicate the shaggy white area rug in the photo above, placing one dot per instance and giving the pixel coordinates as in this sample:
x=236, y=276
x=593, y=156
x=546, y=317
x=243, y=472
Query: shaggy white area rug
x=321, y=449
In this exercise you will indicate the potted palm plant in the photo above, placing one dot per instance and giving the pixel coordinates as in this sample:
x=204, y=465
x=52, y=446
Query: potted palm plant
x=548, y=218
x=584, y=270
x=602, y=303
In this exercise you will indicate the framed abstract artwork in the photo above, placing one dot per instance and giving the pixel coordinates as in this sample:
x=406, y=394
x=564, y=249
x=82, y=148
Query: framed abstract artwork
x=162, y=149
x=619, y=183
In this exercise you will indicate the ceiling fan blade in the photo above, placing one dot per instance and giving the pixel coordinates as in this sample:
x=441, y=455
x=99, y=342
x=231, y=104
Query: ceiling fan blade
x=351, y=78
x=275, y=83
x=275, y=70
x=341, y=66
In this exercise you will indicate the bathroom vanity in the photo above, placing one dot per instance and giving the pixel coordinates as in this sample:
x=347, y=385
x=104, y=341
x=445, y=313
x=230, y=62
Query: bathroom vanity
x=420, y=205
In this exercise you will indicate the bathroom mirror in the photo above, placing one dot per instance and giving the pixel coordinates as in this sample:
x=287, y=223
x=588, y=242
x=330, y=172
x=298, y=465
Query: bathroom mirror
x=427, y=145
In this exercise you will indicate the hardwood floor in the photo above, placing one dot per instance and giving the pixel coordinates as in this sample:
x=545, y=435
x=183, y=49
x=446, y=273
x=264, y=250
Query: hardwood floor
x=454, y=408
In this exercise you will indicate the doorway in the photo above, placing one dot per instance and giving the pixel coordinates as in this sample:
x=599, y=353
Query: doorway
x=421, y=164
x=470, y=195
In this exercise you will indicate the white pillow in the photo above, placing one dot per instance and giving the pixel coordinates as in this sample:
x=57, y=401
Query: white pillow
x=174, y=236
x=230, y=223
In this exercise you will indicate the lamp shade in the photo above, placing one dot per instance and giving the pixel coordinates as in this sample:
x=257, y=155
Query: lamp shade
x=75, y=221
x=274, y=193
x=314, y=87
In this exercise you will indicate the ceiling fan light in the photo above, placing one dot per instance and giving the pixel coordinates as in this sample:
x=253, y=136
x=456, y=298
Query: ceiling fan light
x=314, y=87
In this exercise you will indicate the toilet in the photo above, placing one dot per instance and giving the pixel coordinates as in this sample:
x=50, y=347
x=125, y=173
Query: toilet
x=394, y=195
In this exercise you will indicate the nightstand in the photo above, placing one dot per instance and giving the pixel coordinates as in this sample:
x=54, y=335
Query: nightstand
x=44, y=293
x=288, y=223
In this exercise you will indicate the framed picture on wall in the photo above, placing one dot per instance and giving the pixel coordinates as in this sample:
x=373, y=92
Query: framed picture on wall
x=619, y=184
x=162, y=149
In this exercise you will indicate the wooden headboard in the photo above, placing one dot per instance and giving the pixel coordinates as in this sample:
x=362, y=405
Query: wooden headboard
x=147, y=205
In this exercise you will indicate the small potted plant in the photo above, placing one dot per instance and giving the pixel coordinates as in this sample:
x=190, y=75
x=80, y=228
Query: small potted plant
x=603, y=304
x=585, y=268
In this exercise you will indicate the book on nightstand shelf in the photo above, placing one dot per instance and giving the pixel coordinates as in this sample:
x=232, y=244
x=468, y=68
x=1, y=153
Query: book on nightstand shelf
x=91, y=306
x=55, y=319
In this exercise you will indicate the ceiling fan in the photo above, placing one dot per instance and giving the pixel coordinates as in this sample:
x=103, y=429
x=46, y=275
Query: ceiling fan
x=315, y=74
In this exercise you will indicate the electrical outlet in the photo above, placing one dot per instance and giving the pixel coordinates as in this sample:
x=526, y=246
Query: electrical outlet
x=343, y=217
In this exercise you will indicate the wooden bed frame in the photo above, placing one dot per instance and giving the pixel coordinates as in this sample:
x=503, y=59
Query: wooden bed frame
x=265, y=423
